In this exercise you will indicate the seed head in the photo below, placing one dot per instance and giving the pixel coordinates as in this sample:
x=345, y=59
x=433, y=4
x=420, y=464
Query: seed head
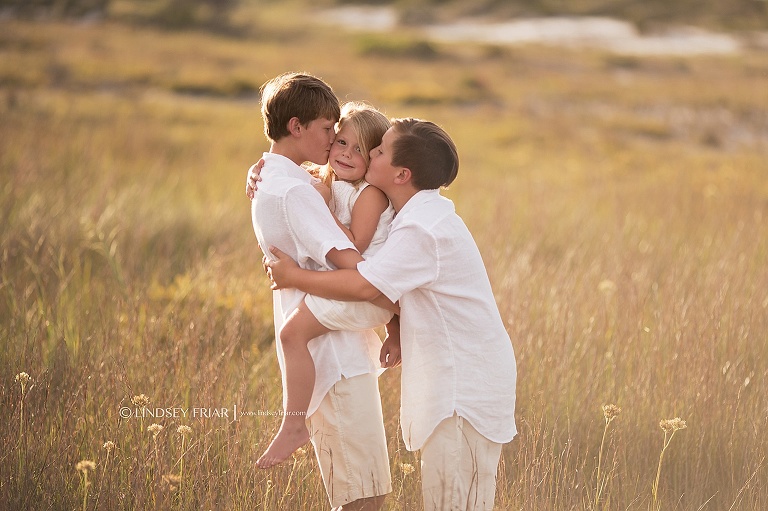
x=672, y=425
x=109, y=446
x=184, y=430
x=155, y=429
x=85, y=466
x=611, y=412
x=23, y=378
x=406, y=468
x=141, y=400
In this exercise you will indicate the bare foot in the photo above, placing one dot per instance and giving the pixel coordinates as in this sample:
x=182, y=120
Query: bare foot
x=287, y=440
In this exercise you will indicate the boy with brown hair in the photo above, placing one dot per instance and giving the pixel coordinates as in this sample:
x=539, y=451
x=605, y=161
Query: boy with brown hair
x=344, y=416
x=459, y=374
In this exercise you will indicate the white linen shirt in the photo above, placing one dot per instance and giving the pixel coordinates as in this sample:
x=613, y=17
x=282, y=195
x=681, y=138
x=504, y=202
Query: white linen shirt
x=456, y=353
x=288, y=213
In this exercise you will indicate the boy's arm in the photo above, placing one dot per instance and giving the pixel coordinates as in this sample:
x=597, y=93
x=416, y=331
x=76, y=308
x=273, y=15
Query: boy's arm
x=347, y=260
x=390, y=350
x=385, y=303
x=344, y=284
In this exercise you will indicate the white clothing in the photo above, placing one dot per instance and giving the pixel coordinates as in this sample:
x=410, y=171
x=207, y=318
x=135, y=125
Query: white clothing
x=338, y=315
x=457, y=355
x=343, y=198
x=289, y=214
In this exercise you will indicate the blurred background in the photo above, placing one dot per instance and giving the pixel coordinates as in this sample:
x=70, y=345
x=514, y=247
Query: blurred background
x=614, y=173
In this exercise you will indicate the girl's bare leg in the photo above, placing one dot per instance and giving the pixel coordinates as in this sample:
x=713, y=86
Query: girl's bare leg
x=300, y=328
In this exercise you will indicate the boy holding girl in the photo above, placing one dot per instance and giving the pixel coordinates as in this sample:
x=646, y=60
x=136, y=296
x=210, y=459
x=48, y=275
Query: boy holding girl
x=344, y=417
x=458, y=364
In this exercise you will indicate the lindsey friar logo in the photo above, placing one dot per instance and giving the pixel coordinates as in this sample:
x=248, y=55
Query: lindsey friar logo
x=141, y=409
x=178, y=412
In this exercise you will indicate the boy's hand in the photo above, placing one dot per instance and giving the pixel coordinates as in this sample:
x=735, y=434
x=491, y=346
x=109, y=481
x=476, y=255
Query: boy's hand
x=390, y=350
x=254, y=176
x=280, y=269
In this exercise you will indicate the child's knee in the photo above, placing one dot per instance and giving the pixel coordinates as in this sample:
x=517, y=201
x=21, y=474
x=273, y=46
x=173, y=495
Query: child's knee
x=290, y=336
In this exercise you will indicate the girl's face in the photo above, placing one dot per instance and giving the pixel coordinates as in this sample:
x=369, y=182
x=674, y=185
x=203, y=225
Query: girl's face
x=345, y=159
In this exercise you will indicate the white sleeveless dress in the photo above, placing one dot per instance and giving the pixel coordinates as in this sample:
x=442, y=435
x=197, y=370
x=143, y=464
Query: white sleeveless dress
x=338, y=315
x=343, y=198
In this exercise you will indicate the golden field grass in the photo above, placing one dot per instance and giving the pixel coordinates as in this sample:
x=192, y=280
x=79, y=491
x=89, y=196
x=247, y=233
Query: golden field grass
x=620, y=203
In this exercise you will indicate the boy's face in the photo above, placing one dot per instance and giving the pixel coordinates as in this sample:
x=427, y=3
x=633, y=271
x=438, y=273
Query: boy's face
x=317, y=138
x=380, y=171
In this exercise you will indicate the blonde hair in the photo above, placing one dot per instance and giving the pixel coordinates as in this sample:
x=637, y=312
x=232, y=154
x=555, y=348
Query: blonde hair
x=369, y=125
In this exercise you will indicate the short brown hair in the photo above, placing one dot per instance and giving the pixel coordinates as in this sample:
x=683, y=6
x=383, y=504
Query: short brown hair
x=295, y=95
x=427, y=150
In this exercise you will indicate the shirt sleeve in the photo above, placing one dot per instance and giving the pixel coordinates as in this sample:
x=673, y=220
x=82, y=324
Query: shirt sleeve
x=406, y=261
x=313, y=225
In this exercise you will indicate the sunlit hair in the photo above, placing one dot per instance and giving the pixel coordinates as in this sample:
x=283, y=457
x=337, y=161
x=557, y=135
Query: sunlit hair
x=427, y=150
x=295, y=95
x=369, y=125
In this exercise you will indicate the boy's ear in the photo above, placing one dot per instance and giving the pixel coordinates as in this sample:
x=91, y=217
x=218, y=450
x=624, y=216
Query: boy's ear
x=403, y=176
x=294, y=126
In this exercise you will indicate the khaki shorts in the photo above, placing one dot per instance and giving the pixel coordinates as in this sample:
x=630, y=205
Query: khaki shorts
x=347, y=431
x=458, y=468
x=351, y=316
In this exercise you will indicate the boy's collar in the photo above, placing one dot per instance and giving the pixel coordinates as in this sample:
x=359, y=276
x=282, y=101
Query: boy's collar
x=282, y=162
x=419, y=198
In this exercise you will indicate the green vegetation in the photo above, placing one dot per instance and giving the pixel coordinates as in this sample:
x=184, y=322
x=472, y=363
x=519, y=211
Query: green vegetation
x=620, y=205
x=387, y=46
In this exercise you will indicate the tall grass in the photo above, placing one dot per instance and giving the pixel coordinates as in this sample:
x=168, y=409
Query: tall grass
x=620, y=209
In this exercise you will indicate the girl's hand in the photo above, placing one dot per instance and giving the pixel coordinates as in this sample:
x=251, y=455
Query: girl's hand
x=279, y=269
x=254, y=176
x=324, y=191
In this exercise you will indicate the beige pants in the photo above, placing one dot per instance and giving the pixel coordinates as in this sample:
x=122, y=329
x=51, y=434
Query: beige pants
x=458, y=468
x=347, y=431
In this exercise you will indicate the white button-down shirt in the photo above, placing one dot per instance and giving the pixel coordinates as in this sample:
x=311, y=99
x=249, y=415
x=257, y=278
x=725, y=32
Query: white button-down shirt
x=288, y=213
x=457, y=355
